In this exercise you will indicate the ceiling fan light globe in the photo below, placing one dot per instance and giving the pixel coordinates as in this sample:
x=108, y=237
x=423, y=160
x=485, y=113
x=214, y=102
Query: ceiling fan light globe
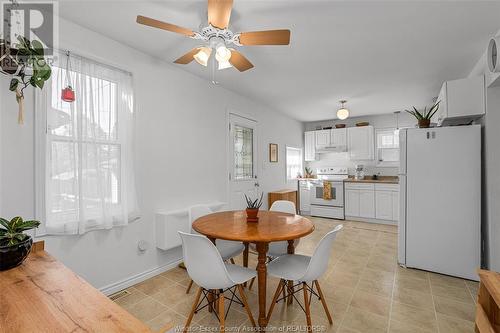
x=202, y=56
x=222, y=54
x=224, y=65
x=342, y=114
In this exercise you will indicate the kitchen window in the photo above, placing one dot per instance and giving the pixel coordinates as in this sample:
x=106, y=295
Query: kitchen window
x=84, y=149
x=387, y=147
x=293, y=163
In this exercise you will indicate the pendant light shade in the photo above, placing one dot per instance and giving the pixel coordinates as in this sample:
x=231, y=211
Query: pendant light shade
x=342, y=113
x=203, y=55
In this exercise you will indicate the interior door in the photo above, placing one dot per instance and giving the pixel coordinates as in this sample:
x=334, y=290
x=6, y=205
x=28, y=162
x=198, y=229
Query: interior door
x=242, y=160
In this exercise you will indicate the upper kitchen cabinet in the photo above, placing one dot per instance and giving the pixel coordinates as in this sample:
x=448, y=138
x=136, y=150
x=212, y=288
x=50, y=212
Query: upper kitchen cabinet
x=338, y=139
x=310, y=146
x=322, y=138
x=461, y=101
x=360, y=143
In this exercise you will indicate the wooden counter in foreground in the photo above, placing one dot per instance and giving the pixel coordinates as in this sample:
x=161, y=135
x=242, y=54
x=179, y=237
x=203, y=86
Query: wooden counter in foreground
x=488, y=303
x=43, y=295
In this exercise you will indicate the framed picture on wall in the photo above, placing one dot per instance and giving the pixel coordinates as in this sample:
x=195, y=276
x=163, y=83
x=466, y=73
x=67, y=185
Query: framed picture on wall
x=273, y=152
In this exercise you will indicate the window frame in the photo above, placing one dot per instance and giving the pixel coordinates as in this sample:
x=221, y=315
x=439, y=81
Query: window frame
x=44, y=140
x=301, y=168
x=378, y=149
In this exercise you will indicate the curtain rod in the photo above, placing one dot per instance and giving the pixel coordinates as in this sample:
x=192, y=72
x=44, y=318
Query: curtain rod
x=97, y=62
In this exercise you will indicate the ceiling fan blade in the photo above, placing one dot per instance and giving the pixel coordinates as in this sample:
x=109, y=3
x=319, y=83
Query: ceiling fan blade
x=188, y=57
x=164, y=25
x=219, y=13
x=268, y=37
x=239, y=61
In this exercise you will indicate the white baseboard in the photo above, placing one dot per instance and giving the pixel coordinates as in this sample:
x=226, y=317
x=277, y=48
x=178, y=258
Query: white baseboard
x=128, y=282
x=362, y=219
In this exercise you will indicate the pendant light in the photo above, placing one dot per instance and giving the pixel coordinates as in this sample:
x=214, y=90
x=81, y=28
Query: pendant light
x=342, y=113
x=68, y=94
x=396, y=115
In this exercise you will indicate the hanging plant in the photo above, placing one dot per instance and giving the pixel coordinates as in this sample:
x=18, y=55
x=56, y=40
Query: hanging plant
x=26, y=65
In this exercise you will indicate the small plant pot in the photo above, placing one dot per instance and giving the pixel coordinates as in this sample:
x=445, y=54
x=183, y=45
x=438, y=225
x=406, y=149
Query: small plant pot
x=14, y=255
x=252, y=215
x=424, y=123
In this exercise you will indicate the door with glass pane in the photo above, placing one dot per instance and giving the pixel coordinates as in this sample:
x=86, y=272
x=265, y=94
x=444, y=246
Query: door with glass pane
x=242, y=161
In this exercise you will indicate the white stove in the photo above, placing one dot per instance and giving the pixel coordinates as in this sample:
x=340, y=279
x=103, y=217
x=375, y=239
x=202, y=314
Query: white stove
x=325, y=207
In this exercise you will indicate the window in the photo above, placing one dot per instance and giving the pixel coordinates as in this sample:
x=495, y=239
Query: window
x=387, y=147
x=293, y=163
x=87, y=150
x=243, y=152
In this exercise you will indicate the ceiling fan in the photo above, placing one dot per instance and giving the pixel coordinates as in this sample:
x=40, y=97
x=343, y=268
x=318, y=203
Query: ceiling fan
x=216, y=36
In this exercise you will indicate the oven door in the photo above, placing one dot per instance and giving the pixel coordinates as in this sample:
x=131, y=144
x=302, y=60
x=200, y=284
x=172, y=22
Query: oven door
x=337, y=194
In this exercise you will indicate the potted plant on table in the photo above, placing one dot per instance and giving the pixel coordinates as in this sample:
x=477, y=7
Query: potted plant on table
x=253, y=208
x=15, y=245
x=424, y=117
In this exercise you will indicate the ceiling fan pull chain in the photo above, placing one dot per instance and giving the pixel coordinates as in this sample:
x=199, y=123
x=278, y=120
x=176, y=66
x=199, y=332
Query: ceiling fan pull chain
x=214, y=71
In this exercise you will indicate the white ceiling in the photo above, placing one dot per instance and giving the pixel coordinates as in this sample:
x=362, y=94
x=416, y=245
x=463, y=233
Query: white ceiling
x=380, y=56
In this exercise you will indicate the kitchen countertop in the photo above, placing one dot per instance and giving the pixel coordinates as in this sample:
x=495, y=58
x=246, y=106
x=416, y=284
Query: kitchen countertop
x=368, y=179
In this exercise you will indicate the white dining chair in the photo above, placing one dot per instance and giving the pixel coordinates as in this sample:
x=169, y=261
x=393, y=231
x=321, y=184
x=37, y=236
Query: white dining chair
x=277, y=249
x=207, y=268
x=305, y=271
x=227, y=249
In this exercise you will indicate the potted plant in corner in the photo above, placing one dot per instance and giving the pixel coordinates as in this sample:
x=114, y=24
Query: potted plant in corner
x=424, y=117
x=253, y=208
x=15, y=245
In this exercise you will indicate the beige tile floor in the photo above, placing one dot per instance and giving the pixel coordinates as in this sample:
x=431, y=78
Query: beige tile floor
x=364, y=287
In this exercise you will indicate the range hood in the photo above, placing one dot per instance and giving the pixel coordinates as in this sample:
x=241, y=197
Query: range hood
x=332, y=149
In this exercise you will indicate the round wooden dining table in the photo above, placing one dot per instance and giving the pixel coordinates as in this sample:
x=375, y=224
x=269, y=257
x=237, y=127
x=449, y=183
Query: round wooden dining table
x=271, y=227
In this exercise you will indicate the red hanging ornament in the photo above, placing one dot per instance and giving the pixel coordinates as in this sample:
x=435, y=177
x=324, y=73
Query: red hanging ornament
x=68, y=94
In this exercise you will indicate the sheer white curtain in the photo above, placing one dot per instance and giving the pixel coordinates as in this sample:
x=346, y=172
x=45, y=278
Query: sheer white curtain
x=88, y=177
x=293, y=162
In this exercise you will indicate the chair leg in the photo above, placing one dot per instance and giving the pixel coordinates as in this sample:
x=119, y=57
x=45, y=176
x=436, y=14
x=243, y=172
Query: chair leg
x=281, y=286
x=251, y=284
x=221, y=310
x=193, y=308
x=245, y=303
x=189, y=287
x=232, y=261
x=291, y=291
x=323, y=301
x=307, y=308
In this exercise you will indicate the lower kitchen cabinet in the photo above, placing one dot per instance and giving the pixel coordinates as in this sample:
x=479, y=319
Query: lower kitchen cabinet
x=351, y=202
x=383, y=203
x=372, y=202
x=305, y=197
x=367, y=204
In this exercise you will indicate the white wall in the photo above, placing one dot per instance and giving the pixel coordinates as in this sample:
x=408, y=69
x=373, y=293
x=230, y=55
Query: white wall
x=342, y=159
x=180, y=155
x=491, y=166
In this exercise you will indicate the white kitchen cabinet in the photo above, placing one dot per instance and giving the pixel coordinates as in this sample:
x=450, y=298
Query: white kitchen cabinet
x=360, y=143
x=309, y=146
x=372, y=202
x=305, y=196
x=338, y=138
x=351, y=202
x=322, y=138
x=367, y=203
x=461, y=100
x=384, y=205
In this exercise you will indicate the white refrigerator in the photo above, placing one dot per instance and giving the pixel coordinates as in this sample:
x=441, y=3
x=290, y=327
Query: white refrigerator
x=440, y=200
